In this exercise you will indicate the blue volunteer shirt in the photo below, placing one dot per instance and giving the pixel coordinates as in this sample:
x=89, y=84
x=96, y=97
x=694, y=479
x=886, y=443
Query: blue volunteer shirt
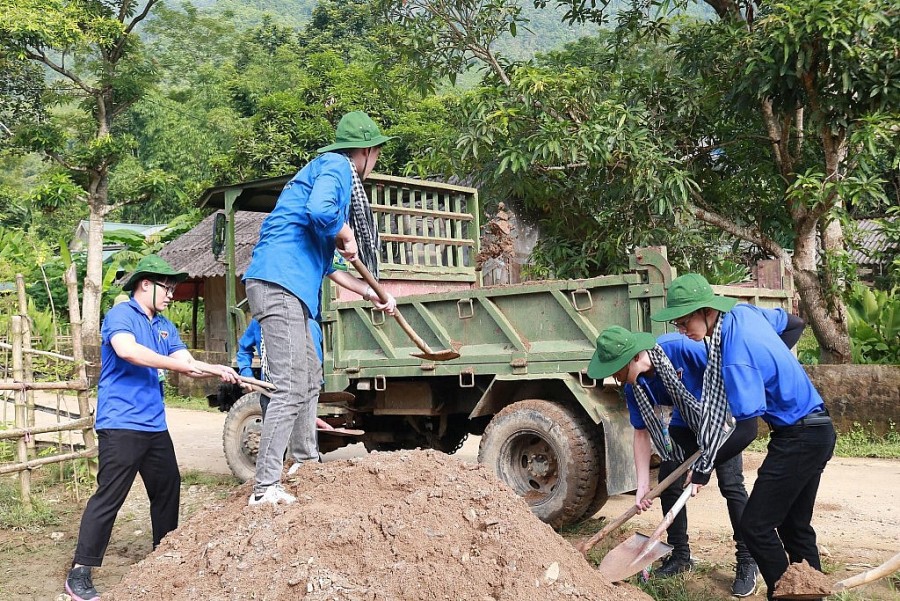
x=689, y=360
x=762, y=376
x=296, y=241
x=129, y=396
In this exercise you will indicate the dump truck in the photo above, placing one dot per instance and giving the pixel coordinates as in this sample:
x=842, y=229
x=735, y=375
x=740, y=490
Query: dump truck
x=558, y=438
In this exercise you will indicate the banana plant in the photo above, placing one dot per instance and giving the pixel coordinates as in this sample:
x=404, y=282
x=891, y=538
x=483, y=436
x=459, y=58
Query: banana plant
x=874, y=325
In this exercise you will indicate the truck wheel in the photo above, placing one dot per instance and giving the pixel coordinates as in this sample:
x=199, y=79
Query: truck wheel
x=240, y=438
x=547, y=454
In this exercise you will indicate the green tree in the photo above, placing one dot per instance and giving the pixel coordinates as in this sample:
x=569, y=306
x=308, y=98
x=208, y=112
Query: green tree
x=616, y=148
x=92, y=53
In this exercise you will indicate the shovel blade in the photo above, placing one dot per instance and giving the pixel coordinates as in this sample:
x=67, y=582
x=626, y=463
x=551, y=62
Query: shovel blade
x=630, y=557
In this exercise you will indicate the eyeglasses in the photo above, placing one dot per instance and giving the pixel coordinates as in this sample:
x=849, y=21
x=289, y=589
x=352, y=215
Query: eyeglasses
x=681, y=322
x=170, y=288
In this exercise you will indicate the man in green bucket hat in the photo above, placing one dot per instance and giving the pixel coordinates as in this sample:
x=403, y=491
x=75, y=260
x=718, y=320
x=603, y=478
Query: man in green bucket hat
x=324, y=207
x=751, y=367
x=648, y=368
x=138, y=346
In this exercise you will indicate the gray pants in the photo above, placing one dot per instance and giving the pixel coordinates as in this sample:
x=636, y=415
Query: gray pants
x=295, y=369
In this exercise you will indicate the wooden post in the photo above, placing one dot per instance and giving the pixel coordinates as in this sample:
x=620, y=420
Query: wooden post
x=84, y=406
x=194, y=313
x=21, y=421
x=26, y=347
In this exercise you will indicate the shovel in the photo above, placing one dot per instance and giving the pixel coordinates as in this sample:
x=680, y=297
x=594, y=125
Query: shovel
x=639, y=551
x=885, y=569
x=586, y=546
x=427, y=353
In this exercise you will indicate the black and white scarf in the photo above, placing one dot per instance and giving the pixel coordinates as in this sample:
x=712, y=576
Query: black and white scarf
x=362, y=221
x=708, y=417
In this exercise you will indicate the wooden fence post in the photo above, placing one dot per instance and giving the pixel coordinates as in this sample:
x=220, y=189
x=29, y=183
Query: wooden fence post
x=26, y=346
x=21, y=421
x=84, y=406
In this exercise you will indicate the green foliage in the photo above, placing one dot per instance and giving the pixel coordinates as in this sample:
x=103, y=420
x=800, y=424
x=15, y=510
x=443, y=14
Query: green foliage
x=860, y=441
x=863, y=441
x=874, y=325
x=181, y=314
x=808, y=348
x=13, y=515
x=173, y=399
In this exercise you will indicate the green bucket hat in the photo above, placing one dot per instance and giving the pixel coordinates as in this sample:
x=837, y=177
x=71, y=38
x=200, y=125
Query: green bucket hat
x=152, y=265
x=616, y=346
x=356, y=130
x=690, y=292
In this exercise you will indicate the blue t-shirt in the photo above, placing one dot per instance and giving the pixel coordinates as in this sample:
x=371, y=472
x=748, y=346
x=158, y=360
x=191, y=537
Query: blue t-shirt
x=762, y=376
x=296, y=241
x=250, y=344
x=129, y=396
x=689, y=360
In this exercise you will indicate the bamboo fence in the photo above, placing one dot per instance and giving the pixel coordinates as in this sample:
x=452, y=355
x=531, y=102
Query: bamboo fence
x=23, y=385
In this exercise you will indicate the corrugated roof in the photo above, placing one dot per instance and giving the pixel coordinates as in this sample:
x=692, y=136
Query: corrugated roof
x=192, y=251
x=869, y=239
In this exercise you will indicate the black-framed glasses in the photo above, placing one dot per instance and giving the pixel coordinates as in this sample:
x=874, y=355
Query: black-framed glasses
x=681, y=322
x=170, y=288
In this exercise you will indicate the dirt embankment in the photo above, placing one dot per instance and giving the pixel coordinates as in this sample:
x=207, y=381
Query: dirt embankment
x=407, y=525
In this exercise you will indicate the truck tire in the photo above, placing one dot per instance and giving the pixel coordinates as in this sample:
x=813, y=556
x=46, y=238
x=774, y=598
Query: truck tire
x=240, y=437
x=547, y=454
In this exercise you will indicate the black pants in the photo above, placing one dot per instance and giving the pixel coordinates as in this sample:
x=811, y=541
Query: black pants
x=729, y=467
x=122, y=455
x=777, y=520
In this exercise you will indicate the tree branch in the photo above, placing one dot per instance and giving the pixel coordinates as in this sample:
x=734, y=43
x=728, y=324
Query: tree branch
x=751, y=235
x=59, y=159
x=38, y=55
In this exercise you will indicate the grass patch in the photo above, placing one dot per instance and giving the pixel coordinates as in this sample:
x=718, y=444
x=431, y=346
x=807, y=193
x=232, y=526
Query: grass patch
x=15, y=516
x=687, y=587
x=198, y=478
x=860, y=441
x=173, y=399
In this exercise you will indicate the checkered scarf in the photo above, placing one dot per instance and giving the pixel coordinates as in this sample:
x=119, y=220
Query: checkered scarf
x=362, y=221
x=709, y=417
x=657, y=426
x=263, y=358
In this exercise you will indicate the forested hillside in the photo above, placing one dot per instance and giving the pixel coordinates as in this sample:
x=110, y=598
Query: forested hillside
x=728, y=137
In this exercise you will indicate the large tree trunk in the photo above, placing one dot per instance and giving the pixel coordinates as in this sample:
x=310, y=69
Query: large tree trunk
x=830, y=330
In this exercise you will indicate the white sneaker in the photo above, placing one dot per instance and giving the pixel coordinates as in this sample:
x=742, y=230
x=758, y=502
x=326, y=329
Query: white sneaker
x=293, y=469
x=275, y=494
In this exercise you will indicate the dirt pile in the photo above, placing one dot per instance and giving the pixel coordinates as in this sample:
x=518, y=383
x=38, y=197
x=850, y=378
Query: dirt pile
x=408, y=525
x=802, y=579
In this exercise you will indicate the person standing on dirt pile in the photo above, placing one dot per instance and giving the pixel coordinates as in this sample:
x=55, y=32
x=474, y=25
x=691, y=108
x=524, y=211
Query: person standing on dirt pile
x=138, y=345
x=632, y=359
x=753, y=368
x=251, y=343
x=312, y=217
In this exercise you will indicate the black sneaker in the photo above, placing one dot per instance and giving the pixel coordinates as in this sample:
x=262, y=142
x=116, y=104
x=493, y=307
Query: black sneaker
x=745, y=576
x=673, y=565
x=80, y=586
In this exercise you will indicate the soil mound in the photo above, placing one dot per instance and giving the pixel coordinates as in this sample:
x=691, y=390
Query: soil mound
x=802, y=579
x=408, y=525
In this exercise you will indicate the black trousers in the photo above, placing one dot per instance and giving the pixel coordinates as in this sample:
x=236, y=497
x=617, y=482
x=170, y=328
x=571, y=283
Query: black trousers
x=729, y=467
x=122, y=455
x=777, y=519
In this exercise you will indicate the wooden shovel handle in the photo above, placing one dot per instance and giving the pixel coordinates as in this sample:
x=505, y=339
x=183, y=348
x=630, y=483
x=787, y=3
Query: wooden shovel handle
x=382, y=296
x=670, y=516
x=245, y=379
x=585, y=547
x=885, y=569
